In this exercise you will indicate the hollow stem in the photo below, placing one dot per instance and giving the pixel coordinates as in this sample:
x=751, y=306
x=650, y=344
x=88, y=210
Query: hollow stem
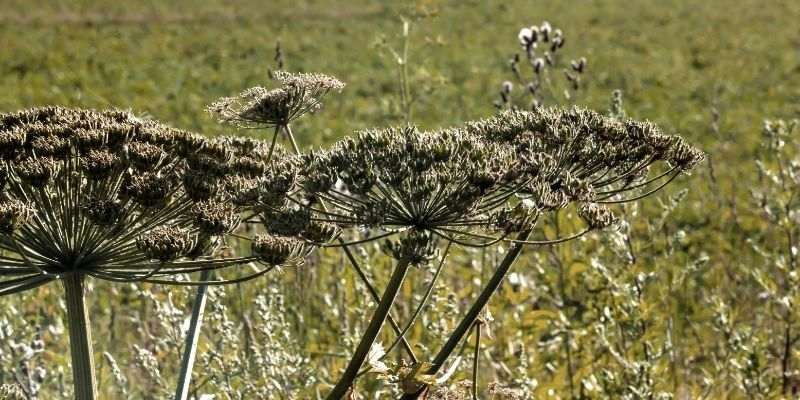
x=192, y=336
x=422, y=303
x=80, y=338
x=376, y=298
x=468, y=321
x=476, y=360
x=372, y=332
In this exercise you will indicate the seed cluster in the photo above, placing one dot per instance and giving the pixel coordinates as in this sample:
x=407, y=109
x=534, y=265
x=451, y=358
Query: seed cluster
x=120, y=198
x=297, y=94
x=477, y=184
x=107, y=194
x=591, y=157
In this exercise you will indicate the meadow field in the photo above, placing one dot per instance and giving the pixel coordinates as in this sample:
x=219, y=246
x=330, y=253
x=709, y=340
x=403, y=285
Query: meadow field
x=692, y=296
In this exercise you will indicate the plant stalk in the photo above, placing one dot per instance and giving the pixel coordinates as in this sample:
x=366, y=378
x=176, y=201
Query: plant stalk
x=372, y=332
x=354, y=263
x=476, y=360
x=192, y=336
x=375, y=297
x=80, y=338
x=468, y=321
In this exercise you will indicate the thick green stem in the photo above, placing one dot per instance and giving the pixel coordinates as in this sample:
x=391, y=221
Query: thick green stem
x=376, y=298
x=468, y=321
x=476, y=361
x=80, y=338
x=192, y=336
x=372, y=332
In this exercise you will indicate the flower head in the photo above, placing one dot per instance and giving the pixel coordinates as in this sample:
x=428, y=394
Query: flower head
x=109, y=195
x=165, y=243
x=297, y=94
x=440, y=184
x=13, y=214
x=277, y=250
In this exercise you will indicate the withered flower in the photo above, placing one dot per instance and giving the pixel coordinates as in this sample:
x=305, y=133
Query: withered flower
x=297, y=94
x=277, y=250
x=104, y=194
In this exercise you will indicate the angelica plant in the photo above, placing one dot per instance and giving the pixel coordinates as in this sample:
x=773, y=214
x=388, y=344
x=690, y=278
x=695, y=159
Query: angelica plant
x=110, y=196
x=476, y=186
x=424, y=187
x=572, y=157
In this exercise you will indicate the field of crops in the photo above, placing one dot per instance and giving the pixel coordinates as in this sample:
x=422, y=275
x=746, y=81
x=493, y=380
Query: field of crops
x=693, y=294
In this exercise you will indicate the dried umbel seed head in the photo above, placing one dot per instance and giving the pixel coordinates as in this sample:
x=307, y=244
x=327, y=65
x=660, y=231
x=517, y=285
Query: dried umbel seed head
x=241, y=191
x=517, y=219
x=13, y=214
x=278, y=250
x=360, y=180
x=600, y=153
x=35, y=171
x=11, y=143
x=199, y=185
x=165, y=243
x=244, y=146
x=212, y=160
x=371, y=215
x=596, y=215
x=50, y=146
x=117, y=135
x=297, y=94
x=416, y=248
x=256, y=105
x=158, y=136
x=545, y=198
x=248, y=166
x=402, y=178
x=684, y=156
x=214, y=218
x=100, y=182
x=288, y=222
x=314, y=83
x=88, y=139
x=103, y=212
x=217, y=149
x=144, y=156
x=99, y=164
x=317, y=175
x=150, y=189
x=320, y=233
x=276, y=183
x=187, y=143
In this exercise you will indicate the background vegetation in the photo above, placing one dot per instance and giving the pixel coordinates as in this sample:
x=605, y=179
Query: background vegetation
x=699, y=293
